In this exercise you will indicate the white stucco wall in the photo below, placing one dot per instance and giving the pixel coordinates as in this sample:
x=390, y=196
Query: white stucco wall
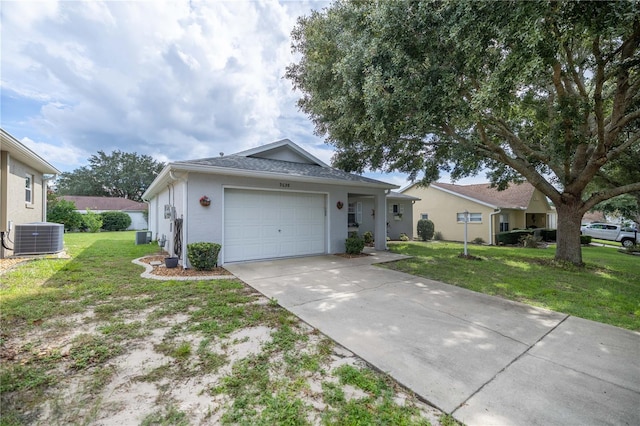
x=206, y=223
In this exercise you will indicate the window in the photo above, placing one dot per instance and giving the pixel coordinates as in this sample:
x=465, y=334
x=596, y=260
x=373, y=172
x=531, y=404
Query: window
x=504, y=222
x=424, y=216
x=28, y=196
x=473, y=217
x=396, y=209
x=354, y=216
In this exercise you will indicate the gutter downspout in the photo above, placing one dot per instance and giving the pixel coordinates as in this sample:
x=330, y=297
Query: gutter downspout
x=185, y=211
x=491, y=225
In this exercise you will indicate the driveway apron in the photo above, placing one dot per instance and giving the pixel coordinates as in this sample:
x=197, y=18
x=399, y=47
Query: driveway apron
x=486, y=360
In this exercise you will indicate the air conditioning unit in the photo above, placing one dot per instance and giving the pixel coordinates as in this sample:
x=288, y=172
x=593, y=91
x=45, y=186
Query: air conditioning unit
x=38, y=238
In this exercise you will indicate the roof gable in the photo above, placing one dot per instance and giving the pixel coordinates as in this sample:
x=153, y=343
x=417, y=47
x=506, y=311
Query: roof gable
x=516, y=196
x=282, y=150
x=277, y=160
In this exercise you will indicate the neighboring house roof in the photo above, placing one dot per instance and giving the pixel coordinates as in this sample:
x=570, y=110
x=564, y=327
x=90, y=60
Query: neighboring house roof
x=398, y=196
x=263, y=162
x=83, y=202
x=23, y=154
x=516, y=196
x=590, y=217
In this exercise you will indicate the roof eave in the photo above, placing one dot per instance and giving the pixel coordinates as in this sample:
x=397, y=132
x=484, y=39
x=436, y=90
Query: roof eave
x=164, y=177
x=18, y=150
x=466, y=197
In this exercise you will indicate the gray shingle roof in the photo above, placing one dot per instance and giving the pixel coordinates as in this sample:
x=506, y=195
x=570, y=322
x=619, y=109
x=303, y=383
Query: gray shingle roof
x=287, y=168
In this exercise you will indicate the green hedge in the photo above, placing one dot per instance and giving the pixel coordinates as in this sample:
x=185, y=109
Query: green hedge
x=514, y=237
x=585, y=239
x=203, y=256
x=115, y=221
x=354, y=244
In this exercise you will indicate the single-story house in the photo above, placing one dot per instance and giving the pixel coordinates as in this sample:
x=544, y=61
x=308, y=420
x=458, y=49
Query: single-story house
x=23, y=188
x=137, y=211
x=272, y=201
x=489, y=211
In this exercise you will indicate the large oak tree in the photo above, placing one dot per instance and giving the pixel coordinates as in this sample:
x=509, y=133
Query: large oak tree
x=119, y=174
x=544, y=91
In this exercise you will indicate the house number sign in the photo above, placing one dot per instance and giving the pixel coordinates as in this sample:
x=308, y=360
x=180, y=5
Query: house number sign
x=284, y=185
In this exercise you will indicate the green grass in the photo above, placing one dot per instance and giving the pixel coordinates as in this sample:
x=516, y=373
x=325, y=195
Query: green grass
x=44, y=302
x=606, y=290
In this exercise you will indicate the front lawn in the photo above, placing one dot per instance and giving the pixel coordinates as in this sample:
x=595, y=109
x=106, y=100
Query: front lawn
x=606, y=290
x=86, y=340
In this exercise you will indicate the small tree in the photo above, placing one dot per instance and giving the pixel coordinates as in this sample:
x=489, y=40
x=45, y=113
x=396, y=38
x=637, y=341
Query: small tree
x=64, y=212
x=92, y=221
x=425, y=229
x=115, y=221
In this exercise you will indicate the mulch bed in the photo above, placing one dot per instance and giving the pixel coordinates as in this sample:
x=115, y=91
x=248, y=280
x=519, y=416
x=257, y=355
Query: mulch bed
x=179, y=271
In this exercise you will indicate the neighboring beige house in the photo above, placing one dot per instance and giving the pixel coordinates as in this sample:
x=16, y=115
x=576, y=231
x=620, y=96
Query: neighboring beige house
x=23, y=195
x=136, y=211
x=490, y=211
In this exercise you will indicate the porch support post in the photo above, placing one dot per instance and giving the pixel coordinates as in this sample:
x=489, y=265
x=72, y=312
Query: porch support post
x=380, y=232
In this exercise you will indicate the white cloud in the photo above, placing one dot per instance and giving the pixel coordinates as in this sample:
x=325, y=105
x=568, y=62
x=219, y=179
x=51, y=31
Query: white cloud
x=172, y=79
x=55, y=153
x=175, y=80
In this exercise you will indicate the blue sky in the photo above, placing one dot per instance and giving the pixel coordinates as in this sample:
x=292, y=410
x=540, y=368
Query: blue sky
x=175, y=80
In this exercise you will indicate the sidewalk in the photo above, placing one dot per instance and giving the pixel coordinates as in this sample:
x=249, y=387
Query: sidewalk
x=486, y=360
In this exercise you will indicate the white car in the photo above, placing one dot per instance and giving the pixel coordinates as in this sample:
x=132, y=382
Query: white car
x=611, y=232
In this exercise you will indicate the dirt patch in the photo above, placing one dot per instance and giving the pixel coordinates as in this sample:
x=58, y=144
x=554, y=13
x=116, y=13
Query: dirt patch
x=161, y=270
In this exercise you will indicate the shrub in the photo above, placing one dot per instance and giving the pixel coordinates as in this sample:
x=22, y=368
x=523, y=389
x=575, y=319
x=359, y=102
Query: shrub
x=354, y=244
x=92, y=221
x=425, y=229
x=368, y=237
x=437, y=236
x=513, y=237
x=64, y=212
x=548, y=234
x=404, y=237
x=203, y=256
x=585, y=239
x=478, y=240
x=530, y=241
x=115, y=221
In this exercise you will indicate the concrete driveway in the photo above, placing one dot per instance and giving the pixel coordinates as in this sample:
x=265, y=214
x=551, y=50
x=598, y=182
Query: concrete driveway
x=486, y=360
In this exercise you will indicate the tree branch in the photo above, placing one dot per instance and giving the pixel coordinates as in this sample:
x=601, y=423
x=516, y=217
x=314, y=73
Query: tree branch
x=601, y=196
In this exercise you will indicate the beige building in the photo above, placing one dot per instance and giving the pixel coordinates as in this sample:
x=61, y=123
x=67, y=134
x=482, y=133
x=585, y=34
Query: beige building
x=489, y=211
x=23, y=195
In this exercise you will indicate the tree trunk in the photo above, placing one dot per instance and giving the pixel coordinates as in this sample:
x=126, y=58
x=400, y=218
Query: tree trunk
x=568, y=247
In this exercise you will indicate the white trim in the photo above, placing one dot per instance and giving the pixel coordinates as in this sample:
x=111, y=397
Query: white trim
x=448, y=191
x=23, y=154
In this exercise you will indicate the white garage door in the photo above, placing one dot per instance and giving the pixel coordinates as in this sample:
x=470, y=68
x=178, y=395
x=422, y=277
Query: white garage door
x=269, y=224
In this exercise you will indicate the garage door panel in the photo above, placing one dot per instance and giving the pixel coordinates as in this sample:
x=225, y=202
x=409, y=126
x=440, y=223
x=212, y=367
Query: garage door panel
x=265, y=224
